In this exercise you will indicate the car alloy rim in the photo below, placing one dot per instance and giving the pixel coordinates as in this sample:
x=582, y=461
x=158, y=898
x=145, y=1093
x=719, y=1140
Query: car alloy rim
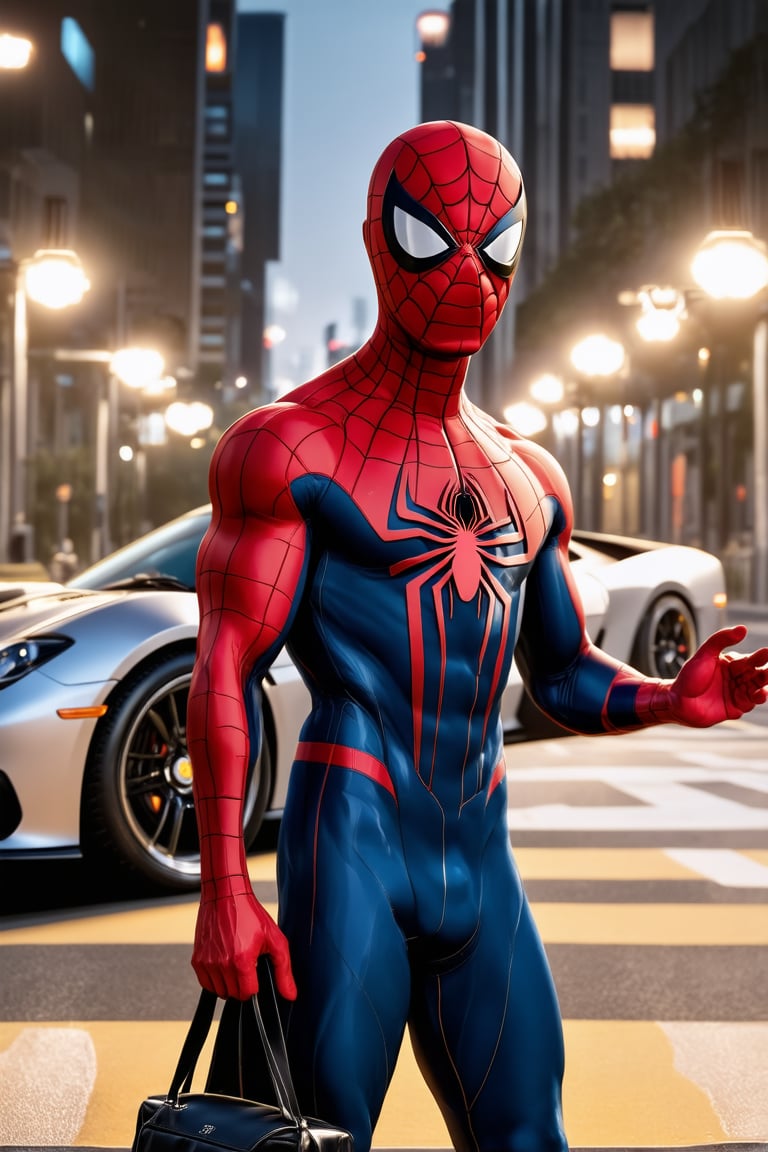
x=155, y=780
x=672, y=643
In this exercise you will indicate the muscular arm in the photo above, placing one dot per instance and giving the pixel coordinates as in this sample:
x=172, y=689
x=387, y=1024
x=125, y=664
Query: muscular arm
x=249, y=576
x=587, y=691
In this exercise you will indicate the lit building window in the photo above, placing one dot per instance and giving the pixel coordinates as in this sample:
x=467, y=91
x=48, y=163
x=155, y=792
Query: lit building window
x=215, y=49
x=633, y=131
x=632, y=41
x=216, y=179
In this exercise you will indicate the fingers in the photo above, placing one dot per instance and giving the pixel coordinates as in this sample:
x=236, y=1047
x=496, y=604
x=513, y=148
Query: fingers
x=281, y=963
x=722, y=639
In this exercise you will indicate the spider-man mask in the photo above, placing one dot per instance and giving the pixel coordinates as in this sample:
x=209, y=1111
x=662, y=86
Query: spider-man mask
x=445, y=225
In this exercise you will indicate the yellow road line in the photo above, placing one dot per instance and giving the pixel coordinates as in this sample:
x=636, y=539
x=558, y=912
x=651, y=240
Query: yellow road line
x=665, y=924
x=559, y=923
x=599, y=864
x=157, y=924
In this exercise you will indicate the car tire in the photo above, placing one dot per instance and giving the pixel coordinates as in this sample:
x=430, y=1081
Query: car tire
x=137, y=814
x=667, y=637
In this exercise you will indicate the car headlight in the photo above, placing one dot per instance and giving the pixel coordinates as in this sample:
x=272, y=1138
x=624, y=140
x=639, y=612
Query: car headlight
x=24, y=656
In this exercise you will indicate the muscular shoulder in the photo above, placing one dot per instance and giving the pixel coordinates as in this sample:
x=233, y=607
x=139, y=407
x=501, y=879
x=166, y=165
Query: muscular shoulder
x=544, y=467
x=262, y=453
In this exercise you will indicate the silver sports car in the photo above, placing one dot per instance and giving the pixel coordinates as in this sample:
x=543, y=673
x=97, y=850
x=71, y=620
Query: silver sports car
x=94, y=677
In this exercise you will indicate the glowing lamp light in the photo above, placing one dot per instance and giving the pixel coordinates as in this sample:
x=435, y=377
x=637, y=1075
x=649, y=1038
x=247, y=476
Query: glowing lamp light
x=590, y=417
x=54, y=277
x=566, y=423
x=189, y=419
x=548, y=389
x=432, y=27
x=160, y=385
x=662, y=309
x=525, y=418
x=15, y=51
x=274, y=334
x=598, y=356
x=137, y=367
x=731, y=265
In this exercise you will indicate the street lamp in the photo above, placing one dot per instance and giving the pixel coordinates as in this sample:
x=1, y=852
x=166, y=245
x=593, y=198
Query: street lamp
x=54, y=278
x=732, y=264
x=527, y=419
x=187, y=419
x=136, y=368
x=15, y=51
x=596, y=358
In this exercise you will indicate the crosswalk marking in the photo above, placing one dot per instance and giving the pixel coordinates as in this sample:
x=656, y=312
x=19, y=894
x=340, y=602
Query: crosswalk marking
x=665, y=799
x=48, y=1076
x=723, y=866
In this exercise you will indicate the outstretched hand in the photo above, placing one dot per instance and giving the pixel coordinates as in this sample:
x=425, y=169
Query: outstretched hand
x=716, y=685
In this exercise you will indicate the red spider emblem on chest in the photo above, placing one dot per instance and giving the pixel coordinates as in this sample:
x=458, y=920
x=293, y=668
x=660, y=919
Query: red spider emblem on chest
x=466, y=537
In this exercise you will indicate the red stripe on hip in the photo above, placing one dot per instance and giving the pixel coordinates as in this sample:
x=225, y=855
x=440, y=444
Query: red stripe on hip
x=499, y=773
x=343, y=757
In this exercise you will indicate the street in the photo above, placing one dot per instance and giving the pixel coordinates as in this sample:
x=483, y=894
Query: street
x=646, y=861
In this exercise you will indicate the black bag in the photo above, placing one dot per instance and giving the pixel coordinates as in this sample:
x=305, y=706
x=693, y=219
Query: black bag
x=185, y=1121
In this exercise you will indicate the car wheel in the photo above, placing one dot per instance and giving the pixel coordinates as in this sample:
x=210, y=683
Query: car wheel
x=666, y=638
x=138, y=818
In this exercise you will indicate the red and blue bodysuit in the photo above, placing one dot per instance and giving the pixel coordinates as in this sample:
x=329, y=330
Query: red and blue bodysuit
x=404, y=545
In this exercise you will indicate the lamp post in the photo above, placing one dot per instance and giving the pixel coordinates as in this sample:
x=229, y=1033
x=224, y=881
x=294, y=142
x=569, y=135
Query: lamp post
x=597, y=358
x=136, y=368
x=732, y=264
x=54, y=278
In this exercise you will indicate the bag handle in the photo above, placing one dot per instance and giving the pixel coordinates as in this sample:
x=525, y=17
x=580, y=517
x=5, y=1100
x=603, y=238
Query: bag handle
x=271, y=1034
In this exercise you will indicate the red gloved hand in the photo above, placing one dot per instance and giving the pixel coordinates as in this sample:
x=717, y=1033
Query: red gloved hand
x=715, y=685
x=231, y=933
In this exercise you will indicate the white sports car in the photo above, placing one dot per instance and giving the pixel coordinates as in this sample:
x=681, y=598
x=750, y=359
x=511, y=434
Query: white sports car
x=94, y=677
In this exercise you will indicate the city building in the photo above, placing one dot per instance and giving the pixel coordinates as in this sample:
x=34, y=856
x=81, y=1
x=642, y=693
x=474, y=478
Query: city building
x=119, y=141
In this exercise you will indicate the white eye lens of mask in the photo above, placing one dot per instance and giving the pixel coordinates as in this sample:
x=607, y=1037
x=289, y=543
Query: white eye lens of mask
x=504, y=248
x=415, y=237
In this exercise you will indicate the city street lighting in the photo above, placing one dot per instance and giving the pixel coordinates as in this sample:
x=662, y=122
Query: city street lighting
x=187, y=419
x=137, y=367
x=733, y=265
x=597, y=358
x=15, y=51
x=140, y=369
x=54, y=278
x=661, y=311
x=433, y=27
x=525, y=418
x=547, y=389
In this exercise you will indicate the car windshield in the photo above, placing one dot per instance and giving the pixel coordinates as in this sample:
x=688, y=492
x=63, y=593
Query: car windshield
x=168, y=551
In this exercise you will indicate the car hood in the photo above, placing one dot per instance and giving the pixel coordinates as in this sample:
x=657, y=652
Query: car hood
x=47, y=606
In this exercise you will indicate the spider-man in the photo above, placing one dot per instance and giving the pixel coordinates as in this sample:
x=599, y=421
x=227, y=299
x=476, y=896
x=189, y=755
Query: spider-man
x=401, y=543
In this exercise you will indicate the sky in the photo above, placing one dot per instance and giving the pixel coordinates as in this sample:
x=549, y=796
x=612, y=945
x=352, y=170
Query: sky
x=350, y=86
